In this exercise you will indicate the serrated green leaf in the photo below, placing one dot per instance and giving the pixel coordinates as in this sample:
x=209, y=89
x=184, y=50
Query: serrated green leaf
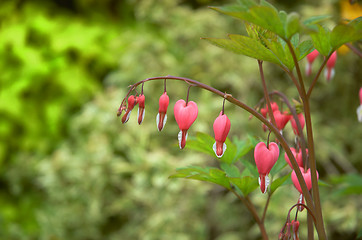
x=279, y=182
x=246, y=46
x=321, y=40
x=230, y=169
x=295, y=40
x=263, y=16
x=292, y=25
x=344, y=33
x=246, y=184
x=251, y=167
x=303, y=49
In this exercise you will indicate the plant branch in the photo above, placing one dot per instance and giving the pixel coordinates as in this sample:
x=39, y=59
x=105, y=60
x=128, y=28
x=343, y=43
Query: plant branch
x=246, y=201
x=251, y=110
x=266, y=95
x=312, y=162
x=266, y=207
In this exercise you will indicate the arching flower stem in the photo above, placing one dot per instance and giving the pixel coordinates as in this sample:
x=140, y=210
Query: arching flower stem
x=251, y=110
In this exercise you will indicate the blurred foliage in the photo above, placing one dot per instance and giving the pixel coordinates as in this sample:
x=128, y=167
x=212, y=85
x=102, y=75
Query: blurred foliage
x=70, y=170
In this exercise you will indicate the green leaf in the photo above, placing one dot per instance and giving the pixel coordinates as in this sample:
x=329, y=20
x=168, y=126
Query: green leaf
x=303, y=49
x=316, y=19
x=251, y=167
x=202, y=143
x=245, y=184
x=279, y=165
x=292, y=25
x=246, y=4
x=344, y=33
x=212, y=175
x=279, y=182
x=246, y=46
x=243, y=147
x=321, y=40
x=263, y=16
x=230, y=170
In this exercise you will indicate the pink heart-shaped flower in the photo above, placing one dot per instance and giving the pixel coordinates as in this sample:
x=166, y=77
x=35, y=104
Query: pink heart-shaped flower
x=185, y=116
x=307, y=178
x=265, y=158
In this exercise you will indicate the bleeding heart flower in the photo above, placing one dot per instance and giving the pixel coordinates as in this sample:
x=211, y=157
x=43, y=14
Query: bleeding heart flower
x=265, y=110
x=294, y=124
x=329, y=71
x=311, y=57
x=185, y=115
x=297, y=156
x=265, y=158
x=307, y=178
x=162, y=111
x=141, y=108
x=359, y=109
x=221, y=130
x=131, y=103
x=281, y=119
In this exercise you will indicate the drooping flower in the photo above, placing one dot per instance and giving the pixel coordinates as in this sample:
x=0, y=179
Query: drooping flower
x=221, y=130
x=359, y=109
x=265, y=158
x=281, y=119
x=294, y=124
x=297, y=156
x=295, y=229
x=310, y=58
x=141, y=108
x=162, y=111
x=329, y=71
x=131, y=103
x=307, y=178
x=185, y=115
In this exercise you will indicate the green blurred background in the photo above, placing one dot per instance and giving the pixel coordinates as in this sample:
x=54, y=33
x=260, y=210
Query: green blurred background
x=70, y=170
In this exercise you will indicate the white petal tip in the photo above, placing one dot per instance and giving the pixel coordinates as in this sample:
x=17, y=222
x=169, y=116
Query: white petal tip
x=223, y=150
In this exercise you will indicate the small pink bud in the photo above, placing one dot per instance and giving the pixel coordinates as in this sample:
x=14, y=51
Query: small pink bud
x=294, y=124
x=162, y=111
x=132, y=101
x=360, y=95
x=297, y=156
x=311, y=57
x=329, y=71
x=141, y=108
x=221, y=130
x=265, y=158
x=307, y=178
x=185, y=116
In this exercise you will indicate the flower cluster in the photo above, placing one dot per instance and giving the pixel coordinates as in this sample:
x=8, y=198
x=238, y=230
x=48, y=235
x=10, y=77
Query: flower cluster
x=185, y=113
x=329, y=71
